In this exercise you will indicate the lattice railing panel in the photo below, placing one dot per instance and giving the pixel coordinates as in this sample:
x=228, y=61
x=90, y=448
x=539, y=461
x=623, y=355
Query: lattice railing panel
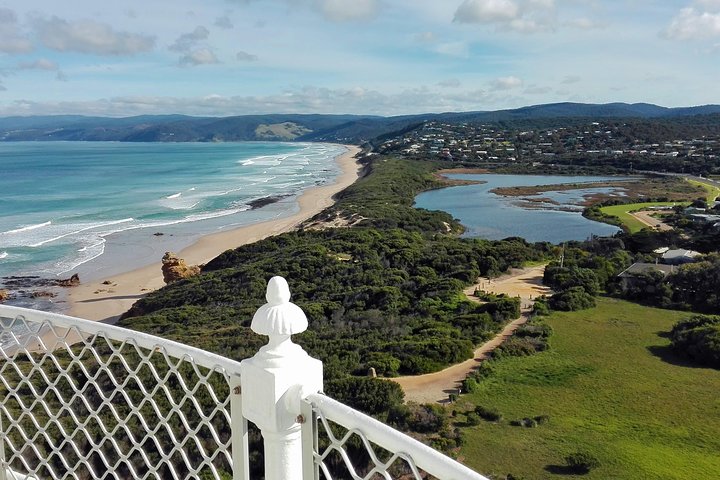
x=348, y=454
x=78, y=404
x=342, y=443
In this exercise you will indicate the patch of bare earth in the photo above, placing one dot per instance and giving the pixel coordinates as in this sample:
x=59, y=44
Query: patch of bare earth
x=649, y=218
x=338, y=220
x=525, y=283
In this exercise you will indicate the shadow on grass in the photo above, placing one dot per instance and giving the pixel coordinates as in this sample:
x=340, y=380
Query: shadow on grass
x=668, y=355
x=562, y=470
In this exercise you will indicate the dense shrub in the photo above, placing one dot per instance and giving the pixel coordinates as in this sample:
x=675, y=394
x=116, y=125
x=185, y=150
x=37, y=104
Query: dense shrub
x=520, y=347
x=370, y=395
x=542, y=419
x=575, y=298
x=563, y=278
x=489, y=414
x=581, y=462
x=699, y=339
x=473, y=419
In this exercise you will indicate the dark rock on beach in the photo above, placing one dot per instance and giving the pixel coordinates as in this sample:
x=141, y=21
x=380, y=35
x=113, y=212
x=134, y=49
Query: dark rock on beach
x=261, y=202
x=16, y=283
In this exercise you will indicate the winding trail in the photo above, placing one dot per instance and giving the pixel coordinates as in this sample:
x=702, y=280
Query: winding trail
x=435, y=387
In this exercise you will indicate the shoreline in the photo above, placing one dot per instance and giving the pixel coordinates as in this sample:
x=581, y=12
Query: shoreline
x=105, y=299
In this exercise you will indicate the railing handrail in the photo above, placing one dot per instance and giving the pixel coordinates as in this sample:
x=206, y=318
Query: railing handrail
x=426, y=458
x=112, y=332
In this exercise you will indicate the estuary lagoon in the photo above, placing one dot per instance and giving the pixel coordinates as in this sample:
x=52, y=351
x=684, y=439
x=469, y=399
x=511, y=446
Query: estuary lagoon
x=494, y=217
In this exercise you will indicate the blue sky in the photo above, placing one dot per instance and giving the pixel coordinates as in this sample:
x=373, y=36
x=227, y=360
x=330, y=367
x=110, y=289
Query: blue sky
x=387, y=57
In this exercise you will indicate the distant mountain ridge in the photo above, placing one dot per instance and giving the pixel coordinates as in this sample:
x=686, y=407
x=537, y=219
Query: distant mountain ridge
x=304, y=127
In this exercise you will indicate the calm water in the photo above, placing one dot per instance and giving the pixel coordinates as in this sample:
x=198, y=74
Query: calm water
x=486, y=215
x=64, y=203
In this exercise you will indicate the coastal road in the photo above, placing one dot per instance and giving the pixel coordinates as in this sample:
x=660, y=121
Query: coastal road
x=435, y=387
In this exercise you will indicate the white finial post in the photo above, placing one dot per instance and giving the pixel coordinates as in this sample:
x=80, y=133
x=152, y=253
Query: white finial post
x=276, y=378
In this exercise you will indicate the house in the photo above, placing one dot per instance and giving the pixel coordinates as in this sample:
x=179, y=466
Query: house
x=629, y=276
x=679, y=256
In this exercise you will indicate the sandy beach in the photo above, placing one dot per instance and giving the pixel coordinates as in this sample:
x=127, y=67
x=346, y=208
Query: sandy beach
x=107, y=298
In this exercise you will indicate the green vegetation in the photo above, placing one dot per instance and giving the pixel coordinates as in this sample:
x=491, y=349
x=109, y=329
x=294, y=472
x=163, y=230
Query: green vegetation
x=622, y=214
x=581, y=462
x=699, y=339
x=384, y=198
x=713, y=192
x=694, y=286
x=613, y=389
x=390, y=296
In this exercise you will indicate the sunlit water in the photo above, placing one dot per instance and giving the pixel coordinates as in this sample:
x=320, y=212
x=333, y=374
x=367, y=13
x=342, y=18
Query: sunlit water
x=487, y=215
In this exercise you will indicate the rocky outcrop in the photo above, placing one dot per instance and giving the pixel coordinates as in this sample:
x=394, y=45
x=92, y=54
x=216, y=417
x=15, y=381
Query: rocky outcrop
x=73, y=281
x=4, y=295
x=174, y=268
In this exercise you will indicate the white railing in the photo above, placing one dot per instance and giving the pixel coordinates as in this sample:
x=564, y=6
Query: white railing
x=86, y=400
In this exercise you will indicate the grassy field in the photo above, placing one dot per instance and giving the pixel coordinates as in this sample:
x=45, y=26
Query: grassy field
x=623, y=213
x=712, y=192
x=611, y=388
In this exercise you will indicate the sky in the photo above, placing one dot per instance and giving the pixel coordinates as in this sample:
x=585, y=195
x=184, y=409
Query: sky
x=380, y=57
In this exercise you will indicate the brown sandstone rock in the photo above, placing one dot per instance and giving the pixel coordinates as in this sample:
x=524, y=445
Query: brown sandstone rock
x=174, y=268
x=4, y=295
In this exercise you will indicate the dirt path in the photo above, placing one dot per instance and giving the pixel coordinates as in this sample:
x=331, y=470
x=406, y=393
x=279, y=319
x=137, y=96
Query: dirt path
x=645, y=216
x=435, y=387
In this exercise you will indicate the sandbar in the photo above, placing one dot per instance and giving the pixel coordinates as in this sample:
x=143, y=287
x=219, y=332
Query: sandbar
x=107, y=298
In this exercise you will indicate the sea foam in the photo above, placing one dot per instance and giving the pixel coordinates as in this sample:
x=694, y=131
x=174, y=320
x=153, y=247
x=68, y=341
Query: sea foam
x=26, y=228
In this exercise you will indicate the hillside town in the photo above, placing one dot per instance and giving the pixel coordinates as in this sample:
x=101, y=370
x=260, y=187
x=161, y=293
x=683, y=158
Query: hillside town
x=582, y=143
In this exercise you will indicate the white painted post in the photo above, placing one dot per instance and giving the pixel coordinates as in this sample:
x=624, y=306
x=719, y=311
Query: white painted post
x=239, y=429
x=276, y=379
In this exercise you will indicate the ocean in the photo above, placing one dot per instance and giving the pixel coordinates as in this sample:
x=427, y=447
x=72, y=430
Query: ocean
x=63, y=203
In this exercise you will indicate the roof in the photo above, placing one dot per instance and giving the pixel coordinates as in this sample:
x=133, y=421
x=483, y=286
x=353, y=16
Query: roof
x=640, y=267
x=677, y=253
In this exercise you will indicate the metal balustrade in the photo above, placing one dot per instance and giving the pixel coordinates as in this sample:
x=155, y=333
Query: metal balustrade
x=86, y=400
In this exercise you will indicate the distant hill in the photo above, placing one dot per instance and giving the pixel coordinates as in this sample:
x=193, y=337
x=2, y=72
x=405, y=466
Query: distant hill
x=296, y=127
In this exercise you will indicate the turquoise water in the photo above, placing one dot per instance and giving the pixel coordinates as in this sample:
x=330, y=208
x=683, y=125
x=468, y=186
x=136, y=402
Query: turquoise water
x=62, y=203
x=486, y=215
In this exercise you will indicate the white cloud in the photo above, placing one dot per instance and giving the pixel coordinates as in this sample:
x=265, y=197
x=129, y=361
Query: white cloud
x=570, y=79
x=304, y=100
x=246, y=57
x=12, y=40
x=89, y=36
x=452, y=49
x=536, y=90
x=692, y=24
x=486, y=11
x=187, y=41
x=224, y=22
x=200, y=56
x=526, y=16
x=348, y=10
x=506, y=83
x=710, y=4
x=449, y=83
x=583, y=23
x=39, y=64
x=425, y=37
